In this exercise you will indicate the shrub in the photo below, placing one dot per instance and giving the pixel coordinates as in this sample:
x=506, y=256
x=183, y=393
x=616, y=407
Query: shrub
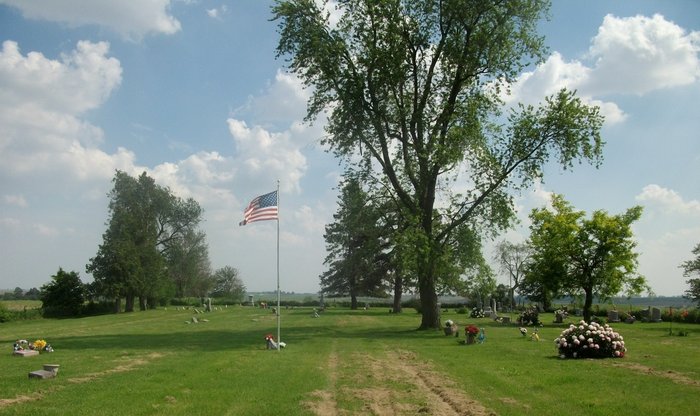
x=64, y=295
x=4, y=314
x=590, y=341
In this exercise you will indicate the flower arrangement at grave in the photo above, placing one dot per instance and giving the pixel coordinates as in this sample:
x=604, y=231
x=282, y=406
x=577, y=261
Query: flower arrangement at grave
x=590, y=340
x=561, y=314
x=471, y=330
x=529, y=317
x=38, y=345
x=477, y=313
x=451, y=328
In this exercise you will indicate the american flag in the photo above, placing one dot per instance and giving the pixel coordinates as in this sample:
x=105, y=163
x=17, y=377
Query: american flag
x=261, y=208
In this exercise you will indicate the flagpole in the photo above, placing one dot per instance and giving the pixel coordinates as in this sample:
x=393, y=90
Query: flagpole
x=279, y=339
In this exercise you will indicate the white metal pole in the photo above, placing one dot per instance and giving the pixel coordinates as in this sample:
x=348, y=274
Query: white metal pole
x=279, y=340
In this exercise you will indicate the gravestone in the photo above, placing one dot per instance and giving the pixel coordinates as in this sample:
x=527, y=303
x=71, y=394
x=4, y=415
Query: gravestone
x=49, y=371
x=558, y=318
x=613, y=316
x=655, y=315
x=26, y=353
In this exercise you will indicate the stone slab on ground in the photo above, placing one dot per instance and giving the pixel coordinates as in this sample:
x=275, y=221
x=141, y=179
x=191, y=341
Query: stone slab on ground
x=42, y=374
x=26, y=353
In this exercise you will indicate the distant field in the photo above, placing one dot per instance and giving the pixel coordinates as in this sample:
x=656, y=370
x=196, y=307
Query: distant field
x=18, y=305
x=344, y=362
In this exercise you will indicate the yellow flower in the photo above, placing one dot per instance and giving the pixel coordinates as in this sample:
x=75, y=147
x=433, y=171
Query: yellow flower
x=39, y=344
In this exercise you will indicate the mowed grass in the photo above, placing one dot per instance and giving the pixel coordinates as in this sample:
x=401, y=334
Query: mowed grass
x=345, y=362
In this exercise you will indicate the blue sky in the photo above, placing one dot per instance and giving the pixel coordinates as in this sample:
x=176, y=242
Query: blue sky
x=190, y=91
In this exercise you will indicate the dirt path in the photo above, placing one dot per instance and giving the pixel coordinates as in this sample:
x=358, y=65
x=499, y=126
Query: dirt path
x=674, y=376
x=391, y=383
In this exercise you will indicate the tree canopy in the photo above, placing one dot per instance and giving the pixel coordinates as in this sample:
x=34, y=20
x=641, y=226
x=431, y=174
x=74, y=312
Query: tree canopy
x=228, y=284
x=358, y=258
x=576, y=255
x=146, y=222
x=690, y=268
x=411, y=89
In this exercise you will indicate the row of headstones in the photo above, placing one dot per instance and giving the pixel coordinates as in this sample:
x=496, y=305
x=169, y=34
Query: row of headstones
x=651, y=314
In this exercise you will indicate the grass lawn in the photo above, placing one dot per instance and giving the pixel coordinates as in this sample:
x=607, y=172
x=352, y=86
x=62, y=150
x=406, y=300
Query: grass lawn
x=345, y=362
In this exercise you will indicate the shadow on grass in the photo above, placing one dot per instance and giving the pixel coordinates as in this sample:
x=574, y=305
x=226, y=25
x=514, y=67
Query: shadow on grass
x=200, y=338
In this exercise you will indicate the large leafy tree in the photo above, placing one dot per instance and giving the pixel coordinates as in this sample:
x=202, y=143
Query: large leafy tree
x=690, y=268
x=591, y=256
x=146, y=220
x=358, y=262
x=412, y=93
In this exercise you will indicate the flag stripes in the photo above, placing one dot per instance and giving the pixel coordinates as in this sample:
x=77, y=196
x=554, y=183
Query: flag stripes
x=261, y=208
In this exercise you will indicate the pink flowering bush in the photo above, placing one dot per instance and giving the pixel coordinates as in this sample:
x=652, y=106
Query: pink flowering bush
x=590, y=340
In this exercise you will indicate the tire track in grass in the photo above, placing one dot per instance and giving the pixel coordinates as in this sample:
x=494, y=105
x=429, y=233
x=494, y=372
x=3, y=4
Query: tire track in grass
x=443, y=398
x=393, y=383
x=324, y=402
x=674, y=376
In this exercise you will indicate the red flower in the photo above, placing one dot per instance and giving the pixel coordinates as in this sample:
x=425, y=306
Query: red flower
x=471, y=329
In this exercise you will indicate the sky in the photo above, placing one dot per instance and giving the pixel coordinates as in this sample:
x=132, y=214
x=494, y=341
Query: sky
x=191, y=92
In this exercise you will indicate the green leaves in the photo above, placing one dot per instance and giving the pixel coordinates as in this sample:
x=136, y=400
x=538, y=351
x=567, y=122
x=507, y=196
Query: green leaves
x=403, y=85
x=690, y=268
x=595, y=256
x=146, y=221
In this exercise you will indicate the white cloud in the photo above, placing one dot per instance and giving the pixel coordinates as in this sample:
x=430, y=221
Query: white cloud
x=9, y=223
x=41, y=102
x=553, y=75
x=16, y=200
x=667, y=232
x=636, y=55
x=668, y=200
x=131, y=19
x=283, y=100
x=632, y=55
x=217, y=13
x=45, y=230
x=80, y=81
x=267, y=155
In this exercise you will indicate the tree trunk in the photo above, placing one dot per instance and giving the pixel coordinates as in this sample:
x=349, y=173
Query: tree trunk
x=588, y=303
x=129, y=306
x=546, y=301
x=117, y=305
x=398, y=293
x=143, y=305
x=353, y=300
x=429, y=303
